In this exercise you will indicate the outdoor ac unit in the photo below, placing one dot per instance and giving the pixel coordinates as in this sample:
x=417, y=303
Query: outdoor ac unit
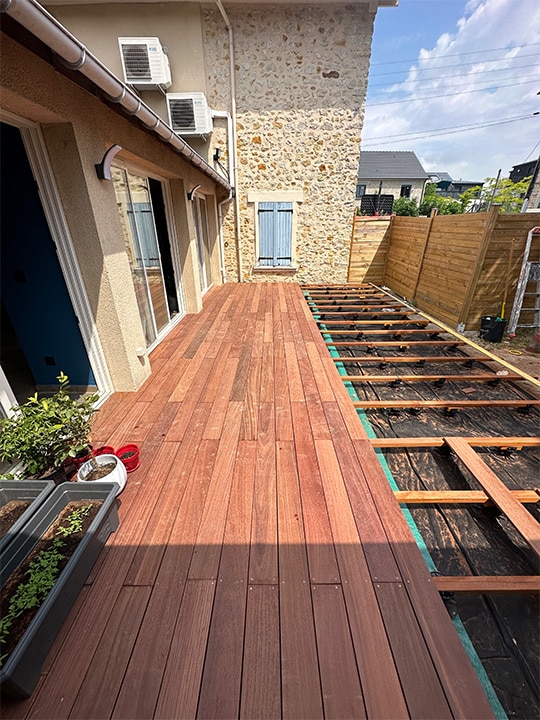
x=189, y=113
x=144, y=62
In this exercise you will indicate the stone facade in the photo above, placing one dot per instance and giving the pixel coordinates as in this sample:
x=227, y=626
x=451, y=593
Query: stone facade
x=301, y=76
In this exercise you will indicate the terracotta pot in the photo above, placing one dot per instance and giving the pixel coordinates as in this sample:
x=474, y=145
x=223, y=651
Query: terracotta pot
x=129, y=455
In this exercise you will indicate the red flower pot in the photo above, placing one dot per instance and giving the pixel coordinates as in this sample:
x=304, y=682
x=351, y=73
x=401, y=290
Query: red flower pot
x=129, y=455
x=105, y=450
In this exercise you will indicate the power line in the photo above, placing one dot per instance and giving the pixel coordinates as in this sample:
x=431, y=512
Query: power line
x=446, y=94
x=391, y=139
x=471, y=52
x=444, y=67
x=448, y=77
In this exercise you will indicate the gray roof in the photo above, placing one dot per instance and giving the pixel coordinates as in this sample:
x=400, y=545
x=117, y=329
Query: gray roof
x=385, y=165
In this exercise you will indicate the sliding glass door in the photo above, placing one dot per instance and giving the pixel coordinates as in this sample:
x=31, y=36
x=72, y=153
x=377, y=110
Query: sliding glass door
x=148, y=250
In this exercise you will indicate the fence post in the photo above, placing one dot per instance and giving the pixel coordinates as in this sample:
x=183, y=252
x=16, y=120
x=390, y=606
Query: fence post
x=423, y=255
x=478, y=264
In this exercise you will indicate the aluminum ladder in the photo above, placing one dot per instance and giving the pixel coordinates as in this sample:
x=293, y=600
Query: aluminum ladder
x=530, y=272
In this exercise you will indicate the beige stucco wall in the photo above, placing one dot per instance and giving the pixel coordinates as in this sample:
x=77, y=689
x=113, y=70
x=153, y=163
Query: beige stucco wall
x=78, y=129
x=301, y=74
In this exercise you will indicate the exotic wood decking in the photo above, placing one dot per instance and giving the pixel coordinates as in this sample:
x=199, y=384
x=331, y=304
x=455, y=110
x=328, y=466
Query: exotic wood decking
x=262, y=567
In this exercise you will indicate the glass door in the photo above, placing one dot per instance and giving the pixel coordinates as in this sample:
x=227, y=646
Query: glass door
x=142, y=246
x=203, y=242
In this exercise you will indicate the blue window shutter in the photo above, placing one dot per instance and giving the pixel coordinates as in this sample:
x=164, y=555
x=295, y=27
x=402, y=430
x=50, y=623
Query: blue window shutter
x=275, y=233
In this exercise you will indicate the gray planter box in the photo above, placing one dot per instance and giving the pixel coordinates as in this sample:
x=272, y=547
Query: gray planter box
x=33, y=490
x=20, y=673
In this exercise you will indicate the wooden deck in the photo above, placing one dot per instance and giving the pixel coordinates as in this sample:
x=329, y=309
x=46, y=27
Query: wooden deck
x=262, y=567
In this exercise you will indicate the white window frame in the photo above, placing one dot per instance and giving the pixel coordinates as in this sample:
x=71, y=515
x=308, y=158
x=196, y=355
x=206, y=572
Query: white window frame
x=173, y=241
x=275, y=196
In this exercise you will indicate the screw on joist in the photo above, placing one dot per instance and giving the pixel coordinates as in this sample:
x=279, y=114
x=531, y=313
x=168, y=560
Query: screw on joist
x=421, y=363
x=396, y=336
x=440, y=382
x=450, y=411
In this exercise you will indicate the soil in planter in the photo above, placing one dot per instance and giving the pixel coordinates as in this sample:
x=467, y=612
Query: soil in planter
x=10, y=636
x=100, y=472
x=126, y=455
x=10, y=513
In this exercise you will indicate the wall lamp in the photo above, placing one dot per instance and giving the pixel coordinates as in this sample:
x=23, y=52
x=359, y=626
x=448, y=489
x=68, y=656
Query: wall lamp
x=191, y=193
x=103, y=169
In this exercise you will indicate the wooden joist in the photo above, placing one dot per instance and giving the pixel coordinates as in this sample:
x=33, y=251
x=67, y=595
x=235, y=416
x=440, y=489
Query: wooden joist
x=396, y=333
x=488, y=583
x=500, y=442
x=392, y=343
x=413, y=359
x=520, y=518
x=485, y=377
x=388, y=322
x=447, y=404
x=458, y=497
x=349, y=305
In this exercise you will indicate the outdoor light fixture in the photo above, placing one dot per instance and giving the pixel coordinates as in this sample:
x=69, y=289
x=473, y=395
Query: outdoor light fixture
x=191, y=193
x=103, y=169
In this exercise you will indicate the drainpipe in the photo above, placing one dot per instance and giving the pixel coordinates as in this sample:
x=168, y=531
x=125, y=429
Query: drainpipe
x=234, y=175
x=232, y=179
x=74, y=55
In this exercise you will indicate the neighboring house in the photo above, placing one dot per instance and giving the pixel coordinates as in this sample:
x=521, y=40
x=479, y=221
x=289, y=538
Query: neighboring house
x=391, y=175
x=447, y=187
x=532, y=196
x=522, y=171
x=256, y=184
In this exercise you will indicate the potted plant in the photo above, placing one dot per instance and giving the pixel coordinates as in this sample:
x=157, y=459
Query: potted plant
x=42, y=572
x=45, y=432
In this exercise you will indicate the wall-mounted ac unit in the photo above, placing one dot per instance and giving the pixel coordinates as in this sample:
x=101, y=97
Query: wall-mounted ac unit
x=189, y=113
x=144, y=62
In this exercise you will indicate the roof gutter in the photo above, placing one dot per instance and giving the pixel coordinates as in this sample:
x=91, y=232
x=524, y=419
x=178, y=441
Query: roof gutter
x=75, y=56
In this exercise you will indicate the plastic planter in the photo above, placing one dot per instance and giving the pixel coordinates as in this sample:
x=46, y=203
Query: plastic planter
x=118, y=475
x=20, y=673
x=132, y=462
x=34, y=491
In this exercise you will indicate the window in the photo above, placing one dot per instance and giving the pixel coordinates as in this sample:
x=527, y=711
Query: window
x=406, y=191
x=275, y=234
x=360, y=191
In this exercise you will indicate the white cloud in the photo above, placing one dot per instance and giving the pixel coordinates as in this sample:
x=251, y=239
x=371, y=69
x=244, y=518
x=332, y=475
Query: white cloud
x=441, y=91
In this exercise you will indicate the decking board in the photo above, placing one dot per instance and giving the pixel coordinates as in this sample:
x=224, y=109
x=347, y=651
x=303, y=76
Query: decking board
x=245, y=579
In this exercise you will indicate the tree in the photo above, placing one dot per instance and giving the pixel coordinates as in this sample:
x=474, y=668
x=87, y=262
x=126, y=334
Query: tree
x=509, y=195
x=444, y=205
x=405, y=206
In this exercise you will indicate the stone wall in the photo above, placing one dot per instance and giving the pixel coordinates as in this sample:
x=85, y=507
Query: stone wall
x=301, y=76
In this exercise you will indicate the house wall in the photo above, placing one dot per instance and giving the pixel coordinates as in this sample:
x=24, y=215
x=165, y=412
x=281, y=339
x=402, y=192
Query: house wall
x=301, y=73
x=78, y=129
x=393, y=187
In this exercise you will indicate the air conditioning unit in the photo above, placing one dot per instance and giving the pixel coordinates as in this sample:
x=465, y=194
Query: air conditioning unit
x=144, y=62
x=189, y=113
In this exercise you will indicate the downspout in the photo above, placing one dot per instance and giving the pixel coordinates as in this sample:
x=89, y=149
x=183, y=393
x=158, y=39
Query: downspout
x=74, y=55
x=231, y=163
x=234, y=175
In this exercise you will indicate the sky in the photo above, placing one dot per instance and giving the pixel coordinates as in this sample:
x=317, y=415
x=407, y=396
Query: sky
x=456, y=82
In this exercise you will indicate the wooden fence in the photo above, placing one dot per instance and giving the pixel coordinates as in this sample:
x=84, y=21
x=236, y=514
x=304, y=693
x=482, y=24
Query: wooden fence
x=457, y=268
